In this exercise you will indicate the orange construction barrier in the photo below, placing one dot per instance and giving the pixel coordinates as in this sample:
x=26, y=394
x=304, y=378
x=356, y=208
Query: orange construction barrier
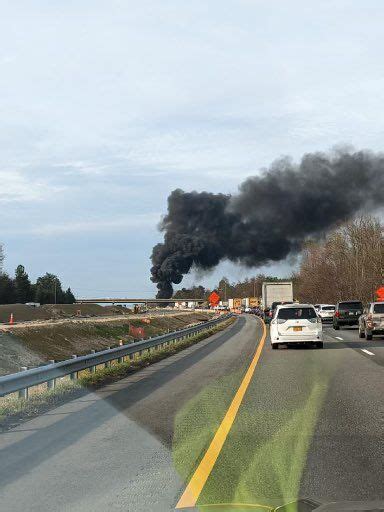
x=11, y=321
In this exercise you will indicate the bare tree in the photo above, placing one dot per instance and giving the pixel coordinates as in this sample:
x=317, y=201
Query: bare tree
x=346, y=265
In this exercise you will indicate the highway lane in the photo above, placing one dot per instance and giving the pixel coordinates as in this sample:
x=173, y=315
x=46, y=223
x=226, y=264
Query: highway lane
x=349, y=337
x=116, y=448
x=310, y=424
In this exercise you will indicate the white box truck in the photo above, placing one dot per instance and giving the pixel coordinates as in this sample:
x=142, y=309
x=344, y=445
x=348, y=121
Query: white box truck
x=276, y=292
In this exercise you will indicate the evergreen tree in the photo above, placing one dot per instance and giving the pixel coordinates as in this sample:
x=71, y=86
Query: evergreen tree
x=69, y=298
x=22, y=285
x=7, y=289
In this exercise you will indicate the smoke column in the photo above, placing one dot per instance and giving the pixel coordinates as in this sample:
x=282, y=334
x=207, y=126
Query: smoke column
x=270, y=217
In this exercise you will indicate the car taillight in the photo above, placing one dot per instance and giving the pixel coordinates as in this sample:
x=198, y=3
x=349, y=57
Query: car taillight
x=337, y=313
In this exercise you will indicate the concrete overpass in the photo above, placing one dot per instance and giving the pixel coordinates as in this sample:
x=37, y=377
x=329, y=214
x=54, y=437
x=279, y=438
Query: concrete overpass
x=135, y=301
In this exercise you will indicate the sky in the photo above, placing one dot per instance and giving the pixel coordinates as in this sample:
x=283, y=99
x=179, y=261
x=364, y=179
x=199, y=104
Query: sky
x=106, y=106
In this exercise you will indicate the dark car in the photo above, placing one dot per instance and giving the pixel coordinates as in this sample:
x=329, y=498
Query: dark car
x=347, y=313
x=269, y=312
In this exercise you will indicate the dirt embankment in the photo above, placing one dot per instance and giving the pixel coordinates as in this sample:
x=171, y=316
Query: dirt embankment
x=30, y=344
x=24, y=313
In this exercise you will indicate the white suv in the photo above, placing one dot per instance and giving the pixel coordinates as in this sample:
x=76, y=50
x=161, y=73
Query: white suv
x=296, y=323
x=325, y=311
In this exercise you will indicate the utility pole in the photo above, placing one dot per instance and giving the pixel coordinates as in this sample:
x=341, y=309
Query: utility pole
x=55, y=285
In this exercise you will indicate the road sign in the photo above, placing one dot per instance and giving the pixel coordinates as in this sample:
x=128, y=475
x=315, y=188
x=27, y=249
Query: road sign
x=214, y=299
x=237, y=303
x=380, y=293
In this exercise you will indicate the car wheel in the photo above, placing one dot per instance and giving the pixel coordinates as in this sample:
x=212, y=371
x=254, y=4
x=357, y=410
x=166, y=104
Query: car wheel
x=275, y=346
x=336, y=327
x=319, y=344
x=368, y=336
x=361, y=333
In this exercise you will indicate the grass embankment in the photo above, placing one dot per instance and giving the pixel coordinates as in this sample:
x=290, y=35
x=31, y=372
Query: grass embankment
x=13, y=409
x=60, y=341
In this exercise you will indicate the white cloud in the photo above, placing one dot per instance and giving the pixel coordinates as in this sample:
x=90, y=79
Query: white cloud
x=82, y=167
x=94, y=225
x=17, y=186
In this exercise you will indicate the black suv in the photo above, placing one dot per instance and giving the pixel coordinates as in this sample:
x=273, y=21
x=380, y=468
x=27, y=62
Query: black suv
x=347, y=313
x=269, y=312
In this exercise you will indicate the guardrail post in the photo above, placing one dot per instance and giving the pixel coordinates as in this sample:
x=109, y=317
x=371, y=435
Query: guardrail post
x=73, y=376
x=51, y=384
x=108, y=363
x=120, y=359
x=23, y=393
x=92, y=369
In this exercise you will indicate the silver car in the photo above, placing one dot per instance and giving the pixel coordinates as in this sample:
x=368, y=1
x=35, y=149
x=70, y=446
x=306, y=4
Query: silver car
x=371, y=322
x=325, y=312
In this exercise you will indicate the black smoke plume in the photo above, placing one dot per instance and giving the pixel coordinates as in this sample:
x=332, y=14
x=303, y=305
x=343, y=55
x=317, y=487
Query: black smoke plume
x=270, y=217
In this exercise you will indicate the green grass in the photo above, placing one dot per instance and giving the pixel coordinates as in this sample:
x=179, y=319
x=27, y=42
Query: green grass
x=14, y=409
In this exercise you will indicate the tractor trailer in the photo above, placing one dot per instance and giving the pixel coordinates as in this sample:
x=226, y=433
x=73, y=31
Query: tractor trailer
x=276, y=292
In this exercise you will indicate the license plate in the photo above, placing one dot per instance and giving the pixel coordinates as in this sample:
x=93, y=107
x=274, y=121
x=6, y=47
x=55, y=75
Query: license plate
x=297, y=328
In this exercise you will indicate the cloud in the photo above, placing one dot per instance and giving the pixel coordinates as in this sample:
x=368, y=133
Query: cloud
x=94, y=225
x=18, y=186
x=82, y=167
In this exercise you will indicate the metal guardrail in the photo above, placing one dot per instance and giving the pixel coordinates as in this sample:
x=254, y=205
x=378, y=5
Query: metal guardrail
x=48, y=373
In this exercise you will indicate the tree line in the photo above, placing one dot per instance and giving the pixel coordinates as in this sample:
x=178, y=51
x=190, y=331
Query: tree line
x=347, y=264
x=19, y=289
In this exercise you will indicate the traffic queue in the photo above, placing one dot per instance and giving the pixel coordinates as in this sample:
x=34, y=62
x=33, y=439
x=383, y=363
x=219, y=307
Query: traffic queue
x=292, y=322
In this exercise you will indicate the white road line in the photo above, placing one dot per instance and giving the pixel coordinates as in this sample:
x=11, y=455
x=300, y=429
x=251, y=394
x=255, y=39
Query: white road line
x=338, y=338
x=367, y=352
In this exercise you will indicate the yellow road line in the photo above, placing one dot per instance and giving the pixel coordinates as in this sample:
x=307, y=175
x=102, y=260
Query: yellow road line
x=236, y=505
x=200, y=476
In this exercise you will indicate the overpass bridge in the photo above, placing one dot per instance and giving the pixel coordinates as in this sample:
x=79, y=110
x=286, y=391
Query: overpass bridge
x=136, y=301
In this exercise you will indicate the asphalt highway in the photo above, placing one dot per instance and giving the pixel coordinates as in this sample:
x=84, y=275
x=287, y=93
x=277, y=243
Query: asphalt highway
x=306, y=423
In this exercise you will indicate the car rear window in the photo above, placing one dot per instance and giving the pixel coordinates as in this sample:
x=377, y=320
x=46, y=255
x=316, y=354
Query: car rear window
x=350, y=305
x=294, y=313
x=378, y=308
x=328, y=308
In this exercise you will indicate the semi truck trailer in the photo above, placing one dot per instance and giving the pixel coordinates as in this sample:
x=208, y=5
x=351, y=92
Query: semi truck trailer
x=276, y=292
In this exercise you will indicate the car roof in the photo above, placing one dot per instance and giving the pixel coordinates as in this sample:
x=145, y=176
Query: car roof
x=333, y=305
x=346, y=301
x=294, y=305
